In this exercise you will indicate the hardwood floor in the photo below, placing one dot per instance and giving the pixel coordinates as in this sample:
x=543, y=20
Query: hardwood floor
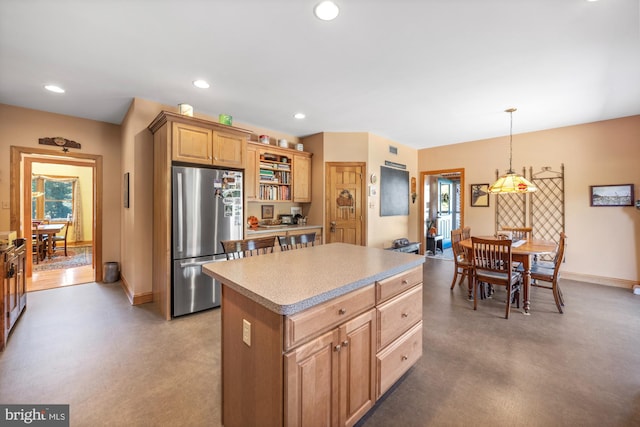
x=57, y=278
x=50, y=279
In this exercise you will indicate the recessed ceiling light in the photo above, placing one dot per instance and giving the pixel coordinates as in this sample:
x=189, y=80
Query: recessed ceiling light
x=201, y=84
x=54, y=88
x=326, y=10
x=299, y=116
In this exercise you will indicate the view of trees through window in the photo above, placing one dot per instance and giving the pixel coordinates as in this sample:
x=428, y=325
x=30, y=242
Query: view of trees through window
x=53, y=199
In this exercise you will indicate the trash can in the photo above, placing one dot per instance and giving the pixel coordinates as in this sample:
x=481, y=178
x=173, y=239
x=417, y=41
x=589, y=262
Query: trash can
x=111, y=272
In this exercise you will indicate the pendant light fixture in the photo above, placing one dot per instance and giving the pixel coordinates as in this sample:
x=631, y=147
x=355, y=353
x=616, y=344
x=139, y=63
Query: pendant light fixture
x=511, y=182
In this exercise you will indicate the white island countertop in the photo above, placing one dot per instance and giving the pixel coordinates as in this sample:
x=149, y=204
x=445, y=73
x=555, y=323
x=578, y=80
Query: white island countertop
x=292, y=281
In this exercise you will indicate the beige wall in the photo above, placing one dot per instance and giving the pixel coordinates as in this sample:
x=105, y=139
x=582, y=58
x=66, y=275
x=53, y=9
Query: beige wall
x=383, y=230
x=603, y=242
x=23, y=127
x=372, y=150
x=85, y=180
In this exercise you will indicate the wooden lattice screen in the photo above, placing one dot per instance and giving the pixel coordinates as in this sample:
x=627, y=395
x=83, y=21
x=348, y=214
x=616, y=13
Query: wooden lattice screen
x=546, y=215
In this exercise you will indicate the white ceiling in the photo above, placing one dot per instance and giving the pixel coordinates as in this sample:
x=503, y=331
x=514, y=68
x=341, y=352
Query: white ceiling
x=419, y=72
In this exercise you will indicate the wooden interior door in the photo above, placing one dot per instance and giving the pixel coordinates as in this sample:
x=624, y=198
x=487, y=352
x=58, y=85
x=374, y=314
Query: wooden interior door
x=344, y=204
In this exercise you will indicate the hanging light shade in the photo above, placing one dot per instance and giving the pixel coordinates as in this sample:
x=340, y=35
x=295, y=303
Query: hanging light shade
x=511, y=182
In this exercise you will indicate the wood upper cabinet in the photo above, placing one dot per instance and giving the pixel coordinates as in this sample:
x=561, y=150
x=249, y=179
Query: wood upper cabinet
x=301, y=178
x=280, y=174
x=229, y=149
x=250, y=173
x=330, y=380
x=192, y=144
x=199, y=141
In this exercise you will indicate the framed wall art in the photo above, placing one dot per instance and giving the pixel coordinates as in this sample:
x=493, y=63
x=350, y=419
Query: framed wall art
x=480, y=195
x=611, y=195
x=125, y=190
x=267, y=211
x=445, y=198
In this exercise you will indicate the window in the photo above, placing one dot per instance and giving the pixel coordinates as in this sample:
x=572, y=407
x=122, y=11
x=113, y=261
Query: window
x=52, y=199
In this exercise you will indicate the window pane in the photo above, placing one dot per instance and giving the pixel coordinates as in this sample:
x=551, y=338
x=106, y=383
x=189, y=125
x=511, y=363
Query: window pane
x=58, y=190
x=57, y=209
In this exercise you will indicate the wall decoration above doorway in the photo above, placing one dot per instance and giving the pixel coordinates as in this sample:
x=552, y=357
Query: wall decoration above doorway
x=59, y=141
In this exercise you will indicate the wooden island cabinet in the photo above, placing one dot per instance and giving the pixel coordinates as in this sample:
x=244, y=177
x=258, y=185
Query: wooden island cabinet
x=315, y=336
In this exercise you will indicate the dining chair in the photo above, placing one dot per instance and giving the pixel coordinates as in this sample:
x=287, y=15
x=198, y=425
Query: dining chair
x=235, y=249
x=55, y=239
x=38, y=248
x=518, y=233
x=462, y=263
x=38, y=242
x=491, y=260
x=297, y=241
x=550, y=273
x=466, y=233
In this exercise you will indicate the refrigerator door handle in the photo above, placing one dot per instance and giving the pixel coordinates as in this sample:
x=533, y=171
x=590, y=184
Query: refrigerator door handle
x=180, y=213
x=195, y=264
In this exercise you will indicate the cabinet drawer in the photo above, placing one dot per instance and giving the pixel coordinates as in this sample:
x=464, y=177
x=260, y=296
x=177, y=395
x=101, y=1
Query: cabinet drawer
x=397, y=358
x=302, y=326
x=397, y=315
x=393, y=285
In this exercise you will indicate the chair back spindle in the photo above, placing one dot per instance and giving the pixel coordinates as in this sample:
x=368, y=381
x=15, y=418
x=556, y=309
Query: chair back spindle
x=235, y=249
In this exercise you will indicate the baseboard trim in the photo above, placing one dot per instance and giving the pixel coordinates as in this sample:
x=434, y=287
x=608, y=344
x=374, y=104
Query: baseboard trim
x=135, y=299
x=599, y=280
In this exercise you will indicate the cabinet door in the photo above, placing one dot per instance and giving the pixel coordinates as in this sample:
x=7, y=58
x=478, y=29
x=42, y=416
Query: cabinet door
x=251, y=174
x=192, y=144
x=229, y=150
x=12, y=305
x=311, y=382
x=22, y=279
x=301, y=179
x=357, y=364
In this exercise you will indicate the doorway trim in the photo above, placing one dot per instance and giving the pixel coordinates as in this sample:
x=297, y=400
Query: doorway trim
x=17, y=154
x=423, y=176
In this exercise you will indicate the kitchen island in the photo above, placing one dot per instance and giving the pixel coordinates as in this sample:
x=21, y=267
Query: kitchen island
x=315, y=336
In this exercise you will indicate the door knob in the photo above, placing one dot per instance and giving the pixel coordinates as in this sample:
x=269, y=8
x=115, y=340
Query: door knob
x=333, y=226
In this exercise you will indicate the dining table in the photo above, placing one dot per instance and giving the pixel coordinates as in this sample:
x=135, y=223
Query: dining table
x=48, y=230
x=521, y=252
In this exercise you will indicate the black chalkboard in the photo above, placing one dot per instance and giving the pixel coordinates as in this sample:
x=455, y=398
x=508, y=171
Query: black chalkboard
x=394, y=191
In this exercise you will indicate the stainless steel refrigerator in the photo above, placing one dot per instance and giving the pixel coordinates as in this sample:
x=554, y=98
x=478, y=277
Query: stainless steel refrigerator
x=206, y=208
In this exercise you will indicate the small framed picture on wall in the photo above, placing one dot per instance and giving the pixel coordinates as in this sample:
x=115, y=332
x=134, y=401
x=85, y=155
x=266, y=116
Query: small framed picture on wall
x=480, y=195
x=267, y=211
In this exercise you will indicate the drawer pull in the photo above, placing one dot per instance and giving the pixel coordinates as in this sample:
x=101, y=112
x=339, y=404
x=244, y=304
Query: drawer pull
x=345, y=343
x=336, y=348
x=405, y=315
x=405, y=358
x=405, y=282
x=342, y=311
